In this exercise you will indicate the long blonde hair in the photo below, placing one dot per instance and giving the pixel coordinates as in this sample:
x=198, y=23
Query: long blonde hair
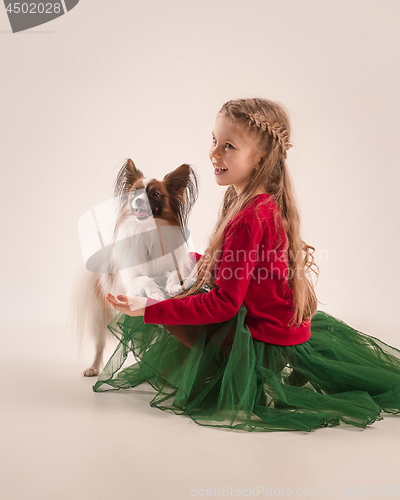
x=268, y=123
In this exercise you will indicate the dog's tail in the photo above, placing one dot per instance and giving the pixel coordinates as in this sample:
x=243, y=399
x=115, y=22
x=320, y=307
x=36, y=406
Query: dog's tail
x=90, y=310
x=82, y=300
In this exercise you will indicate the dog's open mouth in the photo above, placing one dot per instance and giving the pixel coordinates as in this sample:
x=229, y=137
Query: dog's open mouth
x=142, y=213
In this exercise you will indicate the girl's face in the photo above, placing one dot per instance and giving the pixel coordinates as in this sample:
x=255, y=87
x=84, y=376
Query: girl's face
x=233, y=154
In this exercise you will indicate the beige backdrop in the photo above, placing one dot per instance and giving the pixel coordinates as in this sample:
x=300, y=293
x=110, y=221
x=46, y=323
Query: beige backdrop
x=144, y=80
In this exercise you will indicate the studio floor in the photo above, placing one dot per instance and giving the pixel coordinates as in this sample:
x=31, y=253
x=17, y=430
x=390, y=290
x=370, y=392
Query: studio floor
x=62, y=441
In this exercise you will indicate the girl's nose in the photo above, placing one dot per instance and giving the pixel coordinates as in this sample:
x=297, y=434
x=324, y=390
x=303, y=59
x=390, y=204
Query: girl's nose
x=214, y=151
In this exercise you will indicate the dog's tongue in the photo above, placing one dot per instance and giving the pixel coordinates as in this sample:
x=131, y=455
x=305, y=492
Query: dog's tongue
x=141, y=213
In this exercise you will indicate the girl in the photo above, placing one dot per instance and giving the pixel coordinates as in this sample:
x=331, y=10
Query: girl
x=243, y=345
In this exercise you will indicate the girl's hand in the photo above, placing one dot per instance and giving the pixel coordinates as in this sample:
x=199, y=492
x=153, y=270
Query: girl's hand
x=132, y=306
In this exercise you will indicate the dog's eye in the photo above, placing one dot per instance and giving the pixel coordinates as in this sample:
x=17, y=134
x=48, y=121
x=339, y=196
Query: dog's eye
x=156, y=194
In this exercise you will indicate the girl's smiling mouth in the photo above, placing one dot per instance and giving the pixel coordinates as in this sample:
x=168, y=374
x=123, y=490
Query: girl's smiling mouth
x=218, y=170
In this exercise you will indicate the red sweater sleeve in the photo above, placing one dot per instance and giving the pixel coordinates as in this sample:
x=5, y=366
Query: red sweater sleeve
x=239, y=257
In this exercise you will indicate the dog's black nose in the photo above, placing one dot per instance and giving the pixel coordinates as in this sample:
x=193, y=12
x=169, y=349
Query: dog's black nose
x=139, y=201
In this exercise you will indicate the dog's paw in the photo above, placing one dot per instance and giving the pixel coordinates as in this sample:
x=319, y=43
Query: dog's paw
x=157, y=295
x=144, y=286
x=173, y=285
x=173, y=289
x=151, y=289
x=91, y=372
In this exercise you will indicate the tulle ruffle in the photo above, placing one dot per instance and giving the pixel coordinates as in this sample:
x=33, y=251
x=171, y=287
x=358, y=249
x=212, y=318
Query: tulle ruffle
x=338, y=375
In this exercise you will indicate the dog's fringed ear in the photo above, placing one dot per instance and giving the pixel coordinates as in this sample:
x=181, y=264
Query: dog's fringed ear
x=183, y=182
x=176, y=181
x=126, y=178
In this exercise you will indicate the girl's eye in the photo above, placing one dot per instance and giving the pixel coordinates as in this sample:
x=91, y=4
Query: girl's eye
x=227, y=145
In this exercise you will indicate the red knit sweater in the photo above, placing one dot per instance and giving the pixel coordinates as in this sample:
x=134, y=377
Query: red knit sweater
x=253, y=270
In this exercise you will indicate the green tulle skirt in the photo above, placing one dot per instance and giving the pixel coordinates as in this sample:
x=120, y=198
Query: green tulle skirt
x=338, y=375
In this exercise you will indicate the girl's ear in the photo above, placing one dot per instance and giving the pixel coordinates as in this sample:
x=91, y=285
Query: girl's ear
x=258, y=160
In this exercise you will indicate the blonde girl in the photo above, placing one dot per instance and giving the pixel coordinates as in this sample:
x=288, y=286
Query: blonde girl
x=243, y=345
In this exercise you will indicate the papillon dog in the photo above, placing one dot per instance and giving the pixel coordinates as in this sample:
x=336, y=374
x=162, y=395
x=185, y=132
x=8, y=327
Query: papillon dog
x=149, y=254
